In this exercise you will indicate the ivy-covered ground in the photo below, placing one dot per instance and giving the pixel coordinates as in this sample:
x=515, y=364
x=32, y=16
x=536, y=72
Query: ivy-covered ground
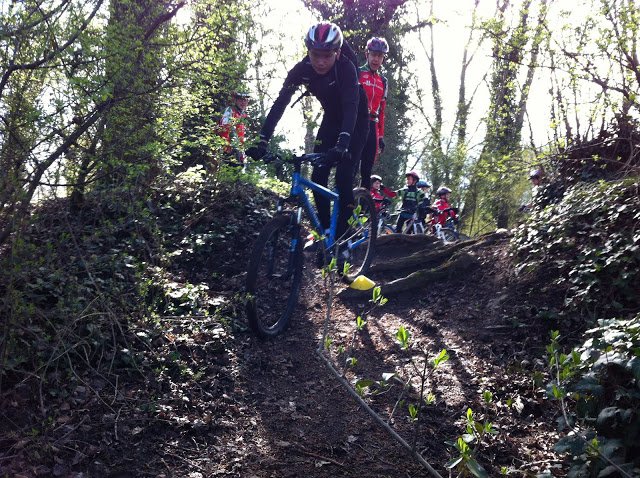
x=125, y=351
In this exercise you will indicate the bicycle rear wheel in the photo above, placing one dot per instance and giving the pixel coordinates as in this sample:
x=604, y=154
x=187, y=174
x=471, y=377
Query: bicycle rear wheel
x=274, y=276
x=361, y=239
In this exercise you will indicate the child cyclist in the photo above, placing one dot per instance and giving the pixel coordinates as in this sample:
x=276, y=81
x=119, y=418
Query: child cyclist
x=424, y=207
x=331, y=77
x=442, y=207
x=379, y=192
x=411, y=198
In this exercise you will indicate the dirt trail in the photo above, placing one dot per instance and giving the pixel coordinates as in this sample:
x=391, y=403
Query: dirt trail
x=307, y=425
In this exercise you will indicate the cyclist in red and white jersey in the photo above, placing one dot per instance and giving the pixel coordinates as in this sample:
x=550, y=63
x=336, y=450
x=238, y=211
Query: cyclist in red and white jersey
x=375, y=87
x=233, y=124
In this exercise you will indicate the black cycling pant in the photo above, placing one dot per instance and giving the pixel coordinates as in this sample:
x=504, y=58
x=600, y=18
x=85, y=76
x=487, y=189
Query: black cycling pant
x=368, y=156
x=325, y=140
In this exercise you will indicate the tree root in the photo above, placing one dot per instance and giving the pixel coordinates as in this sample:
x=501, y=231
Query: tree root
x=452, y=269
x=424, y=258
x=400, y=239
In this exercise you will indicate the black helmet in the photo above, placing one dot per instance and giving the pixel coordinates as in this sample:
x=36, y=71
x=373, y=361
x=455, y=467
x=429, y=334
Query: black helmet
x=375, y=177
x=423, y=184
x=414, y=174
x=442, y=190
x=324, y=36
x=378, y=44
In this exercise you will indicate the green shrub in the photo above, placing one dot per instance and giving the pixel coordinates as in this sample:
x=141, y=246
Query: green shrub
x=601, y=379
x=587, y=248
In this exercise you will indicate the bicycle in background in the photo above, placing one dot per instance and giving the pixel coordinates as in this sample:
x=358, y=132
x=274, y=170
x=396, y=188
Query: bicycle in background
x=274, y=274
x=384, y=219
x=449, y=231
x=414, y=225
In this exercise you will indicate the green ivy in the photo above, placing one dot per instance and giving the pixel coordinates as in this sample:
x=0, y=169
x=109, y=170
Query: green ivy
x=587, y=247
x=601, y=379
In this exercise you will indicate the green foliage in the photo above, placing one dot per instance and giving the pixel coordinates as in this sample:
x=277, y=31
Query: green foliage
x=402, y=336
x=207, y=71
x=77, y=286
x=601, y=380
x=586, y=248
x=441, y=358
x=465, y=462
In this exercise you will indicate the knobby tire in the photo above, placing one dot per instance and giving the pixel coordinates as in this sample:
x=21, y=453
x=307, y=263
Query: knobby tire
x=274, y=276
x=362, y=256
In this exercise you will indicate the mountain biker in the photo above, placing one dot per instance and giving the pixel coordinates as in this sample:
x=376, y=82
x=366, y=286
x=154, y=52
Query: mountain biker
x=328, y=74
x=375, y=86
x=379, y=192
x=536, y=176
x=424, y=207
x=232, y=127
x=411, y=198
x=442, y=207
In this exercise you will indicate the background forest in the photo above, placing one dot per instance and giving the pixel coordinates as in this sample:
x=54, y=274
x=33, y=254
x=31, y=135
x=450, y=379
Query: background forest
x=102, y=94
x=111, y=166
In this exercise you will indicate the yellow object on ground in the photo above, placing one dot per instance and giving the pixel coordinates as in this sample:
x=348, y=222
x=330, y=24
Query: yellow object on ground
x=362, y=283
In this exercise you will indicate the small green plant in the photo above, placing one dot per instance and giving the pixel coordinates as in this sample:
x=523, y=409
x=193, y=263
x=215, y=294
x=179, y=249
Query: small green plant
x=487, y=397
x=413, y=412
x=465, y=462
x=402, y=337
x=378, y=298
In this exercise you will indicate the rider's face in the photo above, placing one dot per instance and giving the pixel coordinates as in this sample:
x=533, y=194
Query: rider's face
x=376, y=184
x=242, y=103
x=375, y=59
x=323, y=60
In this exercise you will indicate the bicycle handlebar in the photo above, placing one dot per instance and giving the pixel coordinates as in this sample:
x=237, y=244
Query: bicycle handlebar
x=311, y=158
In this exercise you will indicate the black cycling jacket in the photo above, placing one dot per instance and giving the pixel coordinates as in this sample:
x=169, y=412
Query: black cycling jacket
x=338, y=91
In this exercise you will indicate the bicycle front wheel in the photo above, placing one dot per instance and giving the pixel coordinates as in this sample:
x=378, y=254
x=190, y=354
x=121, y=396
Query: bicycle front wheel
x=360, y=243
x=274, y=276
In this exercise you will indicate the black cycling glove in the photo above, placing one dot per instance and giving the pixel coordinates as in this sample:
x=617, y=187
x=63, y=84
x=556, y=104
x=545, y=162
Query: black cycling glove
x=339, y=152
x=334, y=156
x=258, y=151
x=342, y=145
x=381, y=144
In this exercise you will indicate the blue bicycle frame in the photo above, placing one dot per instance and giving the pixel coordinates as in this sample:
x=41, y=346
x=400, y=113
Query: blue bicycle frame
x=299, y=184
